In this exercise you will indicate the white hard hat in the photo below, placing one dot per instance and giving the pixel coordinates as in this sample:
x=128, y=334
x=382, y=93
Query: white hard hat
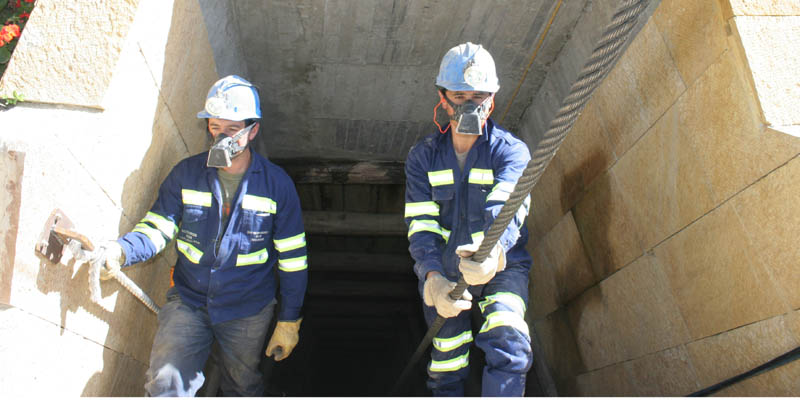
x=232, y=98
x=468, y=66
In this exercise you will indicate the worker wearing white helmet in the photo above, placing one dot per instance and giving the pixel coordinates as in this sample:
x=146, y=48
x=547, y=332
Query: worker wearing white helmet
x=457, y=180
x=234, y=217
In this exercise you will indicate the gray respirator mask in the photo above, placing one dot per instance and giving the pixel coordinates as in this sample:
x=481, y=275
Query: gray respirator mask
x=226, y=148
x=470, y=116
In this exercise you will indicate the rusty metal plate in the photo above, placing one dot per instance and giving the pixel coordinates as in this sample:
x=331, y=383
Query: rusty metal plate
x=50, y=244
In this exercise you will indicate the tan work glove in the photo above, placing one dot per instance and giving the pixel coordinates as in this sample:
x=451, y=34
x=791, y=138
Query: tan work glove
x=476, y=273
x=283, y=340
x=436, y=293
x=114, y=258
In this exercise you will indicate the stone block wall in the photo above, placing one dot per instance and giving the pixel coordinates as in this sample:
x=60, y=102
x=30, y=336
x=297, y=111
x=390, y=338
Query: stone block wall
x=664, y=231
x=111, y=92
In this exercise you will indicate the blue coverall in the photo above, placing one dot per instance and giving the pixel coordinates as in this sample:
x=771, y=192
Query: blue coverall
x=224, y=287
x=445, y=208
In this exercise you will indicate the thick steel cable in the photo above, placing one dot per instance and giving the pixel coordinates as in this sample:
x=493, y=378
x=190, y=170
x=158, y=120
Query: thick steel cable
x=603, y=58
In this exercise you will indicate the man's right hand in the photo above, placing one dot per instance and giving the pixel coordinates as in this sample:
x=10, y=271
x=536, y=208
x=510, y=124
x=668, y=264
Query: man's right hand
x=112, y=257
x=437, y=294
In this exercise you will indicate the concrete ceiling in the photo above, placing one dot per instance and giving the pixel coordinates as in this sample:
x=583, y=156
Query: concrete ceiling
x=354, y=79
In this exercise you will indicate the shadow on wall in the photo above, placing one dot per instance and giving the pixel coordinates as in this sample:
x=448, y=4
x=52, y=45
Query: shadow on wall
x=565, y=358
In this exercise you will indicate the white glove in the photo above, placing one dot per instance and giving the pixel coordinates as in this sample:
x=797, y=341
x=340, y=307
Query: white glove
x=114, y=258
x=437, y=294
x=284, y=339
x=479, y=273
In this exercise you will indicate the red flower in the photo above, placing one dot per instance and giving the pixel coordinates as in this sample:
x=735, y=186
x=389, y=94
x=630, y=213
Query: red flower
x=19, y=4
x=24, y=15
x=27, y=1
x=13, y=28
x=9, y=32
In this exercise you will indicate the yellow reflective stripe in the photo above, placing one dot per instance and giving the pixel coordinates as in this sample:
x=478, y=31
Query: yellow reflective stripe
x=293, y=264
x=294, y=242
x=505, y=318
x=481, y=176
x=448, y=344
x=429, y=225
x=523, y=209
x=191, y=252
x=196, y=198
x=453, y=364
x=258, y=257
x=258, y=203
x=511, y=300
x=422, y=208
x=501, y=191
x=167, y=227
x=443, y=177
x=153, y=234
x=477, y=237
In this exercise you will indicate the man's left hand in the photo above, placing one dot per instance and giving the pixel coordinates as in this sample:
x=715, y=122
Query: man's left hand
x=284, y=339
x=476, y=273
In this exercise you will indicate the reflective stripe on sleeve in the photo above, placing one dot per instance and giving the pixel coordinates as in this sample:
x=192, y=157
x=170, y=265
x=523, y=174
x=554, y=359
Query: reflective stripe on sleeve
x=192, y=253
x=258, y=203
x=477, y=237
x=453, y=364
x=524, y=208
x=501, y=191
x=196, y=198
x=155, y=236
x=505, y=318
x=167, y=227
x=422, y=208
x=294, y=242
x=511, y=300
x=448, y=344
x=480, y=176
x=443, y=177
x=258, y=257
x=293, y=264
x=429, y=225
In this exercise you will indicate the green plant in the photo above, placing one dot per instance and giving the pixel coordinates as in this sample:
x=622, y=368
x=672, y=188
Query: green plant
x=8, y=102
x=14, y=15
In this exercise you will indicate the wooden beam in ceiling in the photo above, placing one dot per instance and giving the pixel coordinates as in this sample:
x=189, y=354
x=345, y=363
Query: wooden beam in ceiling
x=353, y=223
x=344, y=172
x=331, y=261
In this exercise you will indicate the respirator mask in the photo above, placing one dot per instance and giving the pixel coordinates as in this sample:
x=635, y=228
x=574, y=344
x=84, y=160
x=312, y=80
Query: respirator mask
x=470, y=116
x=226, y=148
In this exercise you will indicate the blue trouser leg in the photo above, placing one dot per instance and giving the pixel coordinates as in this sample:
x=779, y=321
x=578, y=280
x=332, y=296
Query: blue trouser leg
x=183, y=343
x=180, y=348
x=449, y=365
x=240, y=343
x=504, y=336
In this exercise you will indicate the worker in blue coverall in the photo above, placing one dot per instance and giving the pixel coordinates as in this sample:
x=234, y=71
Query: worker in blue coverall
x=234, y=216
x=457, y=180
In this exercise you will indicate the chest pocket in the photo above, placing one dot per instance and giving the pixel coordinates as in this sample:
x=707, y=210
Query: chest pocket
x=480, y=183
x=193, y=223
x=258, y=215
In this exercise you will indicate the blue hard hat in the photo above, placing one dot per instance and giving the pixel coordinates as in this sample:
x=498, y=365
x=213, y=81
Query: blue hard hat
x=232, y=98
x=468, y=66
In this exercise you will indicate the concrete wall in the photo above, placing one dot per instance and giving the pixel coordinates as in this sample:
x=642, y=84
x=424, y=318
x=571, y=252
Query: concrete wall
x=355, y=79
x=664, y=232
x=112, y=90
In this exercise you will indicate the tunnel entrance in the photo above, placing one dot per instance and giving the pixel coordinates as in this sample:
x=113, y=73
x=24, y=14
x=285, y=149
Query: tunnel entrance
x=362, y=312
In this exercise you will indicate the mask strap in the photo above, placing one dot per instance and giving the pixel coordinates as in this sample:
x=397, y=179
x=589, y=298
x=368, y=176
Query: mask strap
x=435, y=119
